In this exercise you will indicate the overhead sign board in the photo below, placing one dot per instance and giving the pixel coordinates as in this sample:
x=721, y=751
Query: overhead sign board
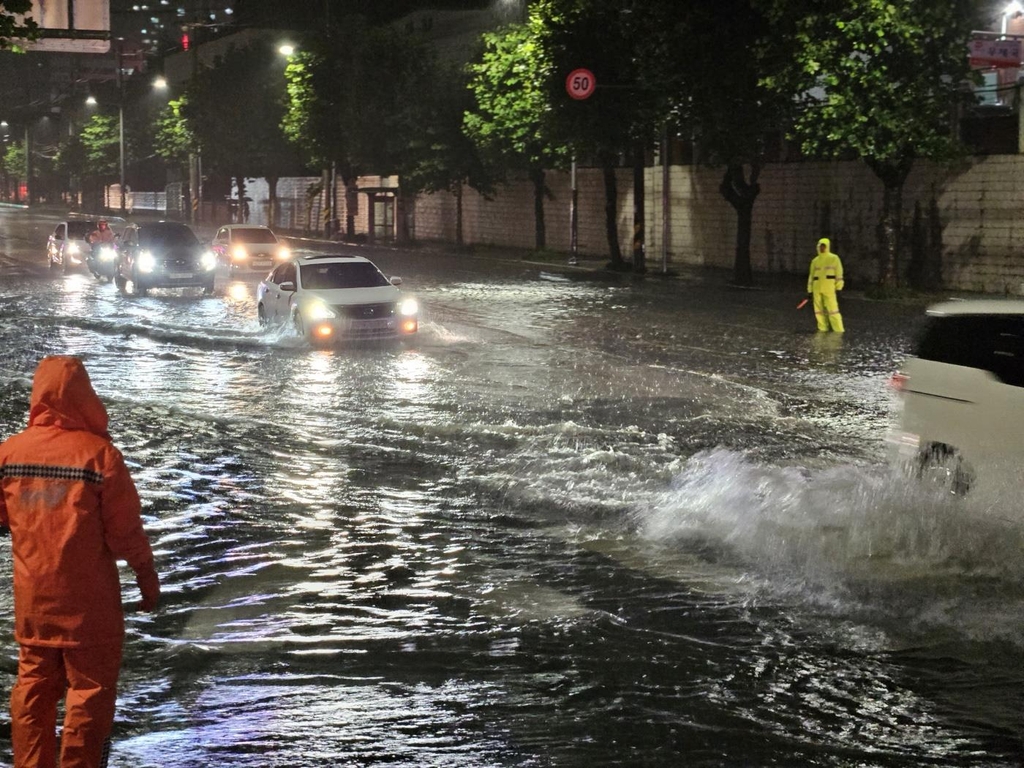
x=70, y=26
x=995, y=53
x=580, y=84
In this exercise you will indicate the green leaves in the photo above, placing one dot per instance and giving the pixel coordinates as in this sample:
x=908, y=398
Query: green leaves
x=875, y=78
x=101, y=140
x=13, y=31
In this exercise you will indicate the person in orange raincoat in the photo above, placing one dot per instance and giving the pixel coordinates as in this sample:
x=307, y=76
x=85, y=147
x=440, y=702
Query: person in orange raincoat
x=823, y=281
x=73, y=511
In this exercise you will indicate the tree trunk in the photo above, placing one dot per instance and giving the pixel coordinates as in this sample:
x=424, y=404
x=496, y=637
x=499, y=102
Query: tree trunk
x=458, y=214
x=402, y=234
x=741, y=195
x=272, y=194
x=892, y=175
x=639, y=205
x=351, y=205
x=240, y=183
x=611, y=212
x=539, y=233
x=892, y=220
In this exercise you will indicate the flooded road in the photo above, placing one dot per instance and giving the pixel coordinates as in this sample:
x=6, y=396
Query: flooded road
x=581, y=520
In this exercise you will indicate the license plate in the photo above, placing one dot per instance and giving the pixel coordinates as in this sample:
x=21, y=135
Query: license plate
x=374, y=325
x=261, y=265
x=180, y=275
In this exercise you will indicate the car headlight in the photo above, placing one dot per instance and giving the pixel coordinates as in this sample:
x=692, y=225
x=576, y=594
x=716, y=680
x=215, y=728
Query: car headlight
x=73, y=249
x=408, y=307
x=107, y=253
x=320, y=311
x=239, y=253
x=284, y=253
x=208, y=260
x=146, y=262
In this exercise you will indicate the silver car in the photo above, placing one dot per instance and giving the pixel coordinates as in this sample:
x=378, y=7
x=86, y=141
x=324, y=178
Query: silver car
x=68, y=245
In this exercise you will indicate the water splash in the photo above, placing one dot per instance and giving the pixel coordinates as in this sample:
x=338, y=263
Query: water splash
x=858, y=540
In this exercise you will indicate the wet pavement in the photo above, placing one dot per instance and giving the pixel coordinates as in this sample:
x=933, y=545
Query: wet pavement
x=583, y=519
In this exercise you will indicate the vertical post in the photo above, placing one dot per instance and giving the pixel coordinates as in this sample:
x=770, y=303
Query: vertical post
x=120, y=114
x=325, y=208
x=1017, y=97
x=573, y=215
x=665, y=199
x=195, y=163
x=29, y=186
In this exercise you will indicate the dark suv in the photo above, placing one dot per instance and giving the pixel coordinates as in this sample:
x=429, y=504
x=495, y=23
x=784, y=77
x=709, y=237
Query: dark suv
x=163, y=254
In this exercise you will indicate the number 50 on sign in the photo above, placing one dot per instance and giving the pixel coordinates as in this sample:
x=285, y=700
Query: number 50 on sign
x=580, y=83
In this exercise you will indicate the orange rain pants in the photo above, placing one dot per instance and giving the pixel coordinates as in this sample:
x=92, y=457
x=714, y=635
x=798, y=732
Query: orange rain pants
x=88, y=677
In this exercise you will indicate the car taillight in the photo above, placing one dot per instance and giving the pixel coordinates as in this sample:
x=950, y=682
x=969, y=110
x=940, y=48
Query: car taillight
x=898, y=381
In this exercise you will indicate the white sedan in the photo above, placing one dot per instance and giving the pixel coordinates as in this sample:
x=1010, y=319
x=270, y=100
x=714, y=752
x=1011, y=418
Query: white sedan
x=328, y=297
x=249, y=247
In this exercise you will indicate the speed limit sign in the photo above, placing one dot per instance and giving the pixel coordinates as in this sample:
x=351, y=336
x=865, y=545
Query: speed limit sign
x=580, y=84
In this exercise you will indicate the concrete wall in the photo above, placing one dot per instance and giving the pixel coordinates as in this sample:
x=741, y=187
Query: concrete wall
x=976, y=237
x=979, y=232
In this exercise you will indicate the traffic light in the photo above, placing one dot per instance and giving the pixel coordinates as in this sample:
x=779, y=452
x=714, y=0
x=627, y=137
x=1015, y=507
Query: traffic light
x=185, y=41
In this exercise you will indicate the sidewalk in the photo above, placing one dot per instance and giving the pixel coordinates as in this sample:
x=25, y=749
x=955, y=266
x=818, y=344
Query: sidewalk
x=794, y=284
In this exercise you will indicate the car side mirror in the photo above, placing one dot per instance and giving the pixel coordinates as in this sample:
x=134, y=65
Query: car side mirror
x=287, y=285
x=395, y=280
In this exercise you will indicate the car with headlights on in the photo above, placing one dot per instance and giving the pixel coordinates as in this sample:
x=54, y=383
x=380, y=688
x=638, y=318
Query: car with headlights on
x=68, y=246
x=962, y=421
x=336, y=297
x=249, y=247
x=163, y=254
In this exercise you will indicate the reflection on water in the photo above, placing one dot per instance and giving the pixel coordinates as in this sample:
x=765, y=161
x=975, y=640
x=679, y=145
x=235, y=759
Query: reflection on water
x=574, y=523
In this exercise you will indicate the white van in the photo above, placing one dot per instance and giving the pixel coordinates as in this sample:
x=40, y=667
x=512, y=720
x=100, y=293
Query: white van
x=963, y=396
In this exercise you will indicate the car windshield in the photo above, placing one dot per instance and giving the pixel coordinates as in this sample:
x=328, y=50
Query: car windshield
x=79, y=229
x=353, y=274
x=167, y=237
x=254, y=235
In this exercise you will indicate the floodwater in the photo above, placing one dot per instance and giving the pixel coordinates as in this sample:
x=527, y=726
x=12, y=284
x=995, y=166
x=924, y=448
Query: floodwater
x=581, y=520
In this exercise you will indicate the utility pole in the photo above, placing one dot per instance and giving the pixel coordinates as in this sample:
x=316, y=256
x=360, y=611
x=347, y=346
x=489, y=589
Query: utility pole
x=29, y=186
x=195, y=162
x=573, y=215
x=120, y=114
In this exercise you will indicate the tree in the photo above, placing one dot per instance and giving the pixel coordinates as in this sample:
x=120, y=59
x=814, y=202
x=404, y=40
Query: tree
x=710, y=59
x=101, y=139
x=70, y=161
x=244, y=82
x=440, y=156
x=354, y=94
x=15, y=165
x=876, y=80
x=622, y=118
x=508, y=118
x=14, y=29
x=172, y=140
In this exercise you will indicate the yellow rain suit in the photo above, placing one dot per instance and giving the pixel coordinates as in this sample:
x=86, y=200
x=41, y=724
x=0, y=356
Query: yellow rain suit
x=824, y=279
x=73, y=512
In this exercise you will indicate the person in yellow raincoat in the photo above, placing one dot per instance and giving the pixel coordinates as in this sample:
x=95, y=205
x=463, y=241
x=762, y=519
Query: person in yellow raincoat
x=823, y=281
